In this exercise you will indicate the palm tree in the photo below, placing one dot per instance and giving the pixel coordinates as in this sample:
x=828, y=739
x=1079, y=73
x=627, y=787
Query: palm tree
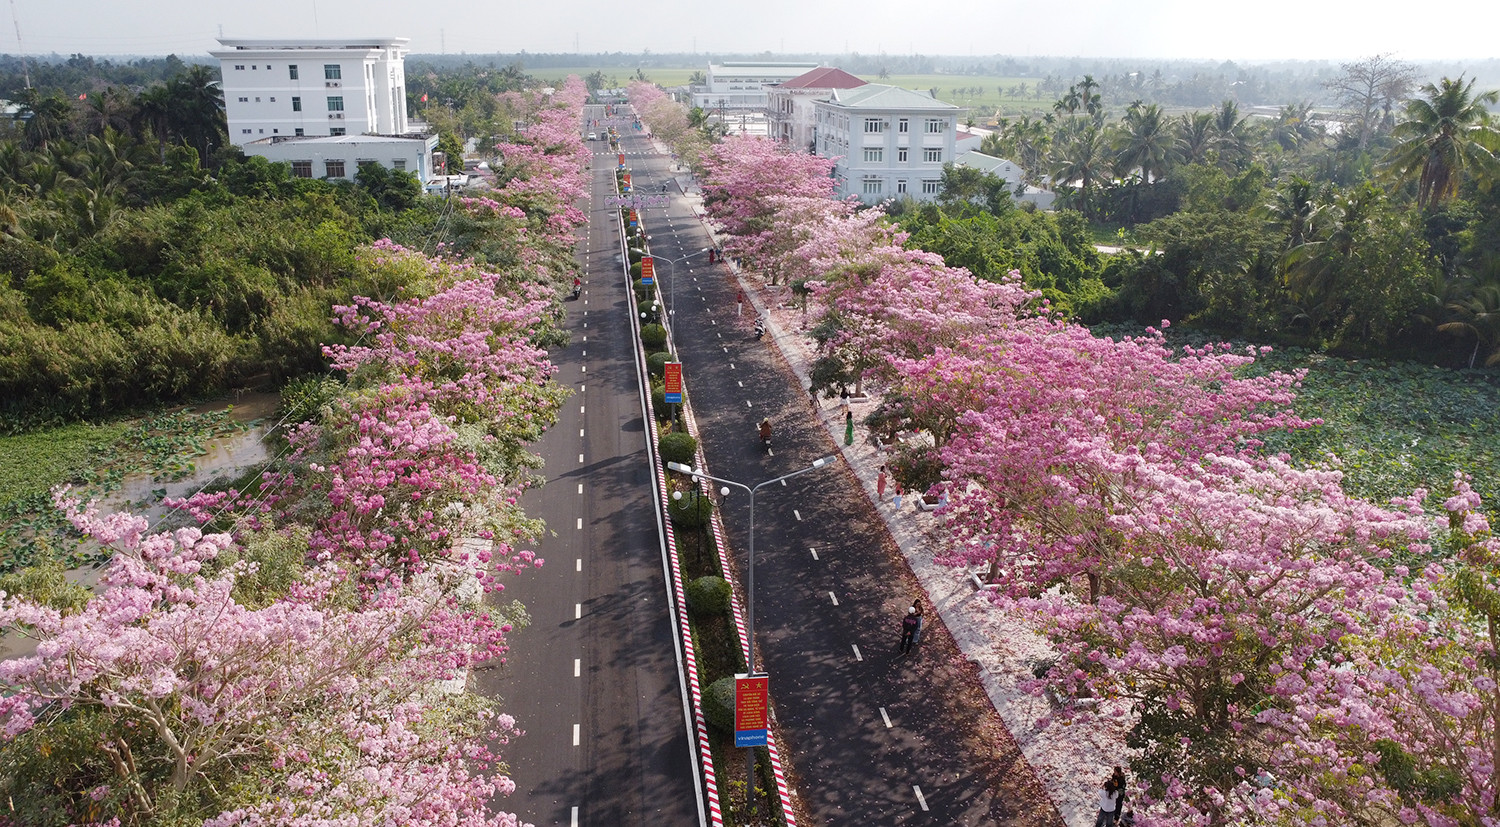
x=1477, y=314
x=1293, y=128
x=1146, y=143
x=1444, y=137
x=1091, y=101
x=1231, y=136
x=1081, y=161
x=1294, y=210
x=1195, y=137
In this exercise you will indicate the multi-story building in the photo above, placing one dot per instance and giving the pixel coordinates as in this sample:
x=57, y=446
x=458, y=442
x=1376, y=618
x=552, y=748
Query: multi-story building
x=790, y=104
x=324, y=105
x=890, y=142
x=742, y=85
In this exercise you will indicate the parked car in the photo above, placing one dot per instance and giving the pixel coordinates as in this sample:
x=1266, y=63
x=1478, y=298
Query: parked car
x=593, y=136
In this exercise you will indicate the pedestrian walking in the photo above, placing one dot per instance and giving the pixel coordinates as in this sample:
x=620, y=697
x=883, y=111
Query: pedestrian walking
x=1109, y=797
x=1118, y=776
x=739, y=303
x=880, y=480
x=916, y=608
x=897, y=498
x=812, y=394
x=909, y=626
x=848, y=427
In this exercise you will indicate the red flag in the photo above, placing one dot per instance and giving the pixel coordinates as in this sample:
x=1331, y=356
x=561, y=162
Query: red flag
x=424, y=97
x=83, y=97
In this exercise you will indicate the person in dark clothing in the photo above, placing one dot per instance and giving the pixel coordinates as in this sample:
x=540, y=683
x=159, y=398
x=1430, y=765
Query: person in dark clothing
x=909, y=626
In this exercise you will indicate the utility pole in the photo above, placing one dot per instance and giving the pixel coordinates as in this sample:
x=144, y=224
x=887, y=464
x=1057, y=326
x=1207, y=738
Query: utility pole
x=25, y=70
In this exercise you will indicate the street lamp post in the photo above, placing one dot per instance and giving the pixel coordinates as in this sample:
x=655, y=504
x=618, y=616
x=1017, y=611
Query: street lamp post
x=750, y=588
x=672, y=283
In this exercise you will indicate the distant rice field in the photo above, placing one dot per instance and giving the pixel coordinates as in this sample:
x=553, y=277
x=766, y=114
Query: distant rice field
x=988, y=92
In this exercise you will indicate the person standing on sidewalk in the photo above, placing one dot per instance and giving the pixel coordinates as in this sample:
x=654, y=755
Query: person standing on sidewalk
x=880, y=481
x=916, y=609
x=848, y=427
x=1109, y=797
x=909, y=626
x=812, y=394
x=897, y=499
x=739, y=303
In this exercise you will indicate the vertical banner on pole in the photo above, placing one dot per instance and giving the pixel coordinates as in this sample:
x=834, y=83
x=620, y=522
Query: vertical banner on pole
x=648, y=270
x=673, y=377
x=751, y=709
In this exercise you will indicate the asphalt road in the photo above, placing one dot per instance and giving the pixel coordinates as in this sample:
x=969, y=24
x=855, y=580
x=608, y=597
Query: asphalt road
x=873, y=739
x=593, y=679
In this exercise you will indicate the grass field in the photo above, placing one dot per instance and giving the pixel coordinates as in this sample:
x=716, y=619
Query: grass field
x=986, y=92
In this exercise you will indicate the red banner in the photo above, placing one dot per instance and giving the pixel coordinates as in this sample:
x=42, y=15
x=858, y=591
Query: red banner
x=673, y=377
x=648, y=267
x=751, y=709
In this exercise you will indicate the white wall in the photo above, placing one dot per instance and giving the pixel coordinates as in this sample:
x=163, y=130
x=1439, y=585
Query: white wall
x=414, y=154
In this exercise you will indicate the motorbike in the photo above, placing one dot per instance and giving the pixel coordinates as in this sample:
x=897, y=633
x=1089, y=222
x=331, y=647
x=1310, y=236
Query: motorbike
x=760, y=328
x=577, y=291
x=764, y=432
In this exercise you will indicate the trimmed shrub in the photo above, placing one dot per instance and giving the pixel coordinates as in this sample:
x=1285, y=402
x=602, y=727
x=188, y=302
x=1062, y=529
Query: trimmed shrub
x=654, y=337
x=692, y=511
x=635, y=270
x=718, y=704
x=708, y=596
x=678, y=446
x=656, y=363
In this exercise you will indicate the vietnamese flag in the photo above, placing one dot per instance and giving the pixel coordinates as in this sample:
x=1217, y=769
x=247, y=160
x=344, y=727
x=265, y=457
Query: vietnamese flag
x=424, y=97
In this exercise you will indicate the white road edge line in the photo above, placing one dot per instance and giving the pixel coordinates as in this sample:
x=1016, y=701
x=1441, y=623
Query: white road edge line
x=814, y=553
x=857, y=655
x=575, y=743
x=577, y=611
x=578, y=564
x=797, y=514
x=578, y=671
x=575, y=817
x=580, y=524
x=580, y=488
x=580, y=457
x=883, y=715
x=921, y=799
x=834, y=598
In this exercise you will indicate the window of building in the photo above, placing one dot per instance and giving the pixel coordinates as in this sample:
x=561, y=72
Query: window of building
x=297, y=131
x=239, y=67
x=874, y=155
x=257, y=98
x=262, y=132
x=275, y=131
x=931, y=187
x=399, y=164
x=901, y=155
x=244, y=132
x=932, y=156
x=336, y=103
x=903, y=125
x=291, y=72
x=302, y=169
x=273, y=99
x=335, y=130
x=331, y=71
x=872, y=186
x=333, y=169
x=901, y=185
x=874, y=125
x=296, y=104
x=244, y=100
x=934, y=127
x=252, y=67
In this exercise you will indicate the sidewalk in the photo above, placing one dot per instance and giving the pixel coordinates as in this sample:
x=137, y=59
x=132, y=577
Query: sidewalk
x=1070, y=760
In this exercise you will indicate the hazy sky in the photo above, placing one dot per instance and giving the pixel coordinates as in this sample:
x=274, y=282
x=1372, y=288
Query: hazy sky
x=1249, y=29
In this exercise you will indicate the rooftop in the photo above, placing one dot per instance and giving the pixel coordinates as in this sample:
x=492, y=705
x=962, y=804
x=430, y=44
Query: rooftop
x=367, y=138
x=322, y=44
x=823, y=77
x=881, y=96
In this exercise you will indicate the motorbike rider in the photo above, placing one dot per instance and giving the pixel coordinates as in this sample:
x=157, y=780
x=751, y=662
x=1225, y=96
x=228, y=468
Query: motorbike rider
x=765, y=431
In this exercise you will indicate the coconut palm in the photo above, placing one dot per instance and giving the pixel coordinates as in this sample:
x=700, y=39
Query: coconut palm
x=1477, y=314
x=1082, y=161
x=1293, y=128
x=1444, y=136
x=1231, y=137
x=1195, y=137
x=1145, y=143
x=1294, y=211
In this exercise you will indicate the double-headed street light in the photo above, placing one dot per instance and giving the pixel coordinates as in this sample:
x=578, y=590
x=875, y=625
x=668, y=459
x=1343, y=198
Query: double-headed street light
x=750, y=588
x=672, y=283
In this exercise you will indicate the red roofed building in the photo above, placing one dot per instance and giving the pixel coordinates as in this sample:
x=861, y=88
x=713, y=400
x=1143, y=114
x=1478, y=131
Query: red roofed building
x=790, y=107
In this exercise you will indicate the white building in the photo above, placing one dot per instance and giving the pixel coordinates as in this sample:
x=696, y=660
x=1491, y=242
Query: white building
x=790, y=104
x=1012, y=174
x=890, y=142
x=320, y=104
x=742, y=85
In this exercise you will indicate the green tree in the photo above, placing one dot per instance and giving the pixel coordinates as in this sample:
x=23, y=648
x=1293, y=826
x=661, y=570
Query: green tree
x=1145, y=143
x=1443, y=138
x=1082, y=162
x=453, y=152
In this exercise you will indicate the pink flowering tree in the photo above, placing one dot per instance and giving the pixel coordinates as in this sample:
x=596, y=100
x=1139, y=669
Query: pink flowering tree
x=741, y=178
x=185, y=688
